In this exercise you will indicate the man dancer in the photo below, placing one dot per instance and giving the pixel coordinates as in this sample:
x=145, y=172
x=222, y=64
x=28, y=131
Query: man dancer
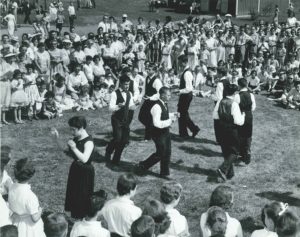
x=228, y=112
x=150, y=94
x=122, y=105
x=185, y=98
x=247, y=104
x=161, y=122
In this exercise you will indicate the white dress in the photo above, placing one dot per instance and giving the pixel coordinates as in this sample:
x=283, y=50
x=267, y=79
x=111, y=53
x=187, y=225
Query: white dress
x=25, y=203
x=166, y=56
x=211, y=45
x=10, y=18
x=4, y=210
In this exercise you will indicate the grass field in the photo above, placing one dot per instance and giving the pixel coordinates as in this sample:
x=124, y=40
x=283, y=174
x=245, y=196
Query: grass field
x=272, y=175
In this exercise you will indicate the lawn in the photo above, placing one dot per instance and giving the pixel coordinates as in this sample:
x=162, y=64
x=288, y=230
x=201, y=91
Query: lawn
x=272, y=175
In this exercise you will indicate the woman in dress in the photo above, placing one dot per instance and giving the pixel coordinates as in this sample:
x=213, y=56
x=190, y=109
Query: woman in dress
x=56, y=59
x=212, y=44
x=166, y=54
x=23, y=203
x=42, y=62
x=192, y=52
x=11, y=23
x=80, y=185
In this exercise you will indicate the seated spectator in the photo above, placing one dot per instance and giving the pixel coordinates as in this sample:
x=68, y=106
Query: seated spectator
x=56, y=225
x=254, y=82
x=120, y=212
x=143, y=227
x=90, y=226
x=99, y=96
x=288, y=224
x=9, y=231
x=170, y=195
x=50, y=109
x=76, y=80
x=269, y=215
x=84, y=102
x=222, y=197
x=217, y=221
x=293, y=98
x=156, y=210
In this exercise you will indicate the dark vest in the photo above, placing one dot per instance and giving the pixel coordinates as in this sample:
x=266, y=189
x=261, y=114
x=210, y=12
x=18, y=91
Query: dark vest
x=131, y=88
x=164, y=116
x=150, y=91
x=182, y=84
x=224, y=112
x=119, y=115
x=225, y=83
x=246, y=105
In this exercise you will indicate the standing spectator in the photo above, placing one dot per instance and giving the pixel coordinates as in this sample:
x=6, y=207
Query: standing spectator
x=59, y=21
x=11, y=24
x=126, y=24
x=27, y=11
x=15, y=7
x=72, y=14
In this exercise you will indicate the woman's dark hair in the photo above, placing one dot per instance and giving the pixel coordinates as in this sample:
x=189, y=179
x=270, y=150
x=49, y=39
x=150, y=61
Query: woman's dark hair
x=97, y=201
x=288, y=224
x=29, y=65
x=170, y=191
x=96, y=56
x=271, y=210
x=17, y=72
x=217, y=220
x=49, y=94
x=23, y=170
x=126, y=183
x=156, y=210
x=222, y=197
x=143, y=227
x=77, y=122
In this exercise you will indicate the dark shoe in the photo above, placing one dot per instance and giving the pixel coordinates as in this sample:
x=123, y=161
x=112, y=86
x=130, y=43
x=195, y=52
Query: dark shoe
x=196, y=132
x=247, y=159
x=140, y=170
x=221, y=174
x=36, y=117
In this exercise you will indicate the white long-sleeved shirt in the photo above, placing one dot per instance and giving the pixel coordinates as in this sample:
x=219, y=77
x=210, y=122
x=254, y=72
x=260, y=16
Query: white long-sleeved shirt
x=113, y=101
x=76, y=80
x=237, y=99
x=120, y=213
x=136, y=91
x=157, y=84
x=219, y=90
x=238, y=117
x=89, y=229
x=188, y=78
x=156, y=114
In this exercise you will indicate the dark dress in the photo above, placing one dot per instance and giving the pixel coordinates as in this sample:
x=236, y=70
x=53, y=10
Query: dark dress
x=80, y=185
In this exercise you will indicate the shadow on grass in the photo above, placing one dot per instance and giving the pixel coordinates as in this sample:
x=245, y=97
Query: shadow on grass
x=280, y=197
x=250, y=224
x=100, y=142
x=177, y=138
x=202, y=151
x=139, y=131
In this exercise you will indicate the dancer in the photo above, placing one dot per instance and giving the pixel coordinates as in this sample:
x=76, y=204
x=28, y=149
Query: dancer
x=122, y=105
x=160, y=134
x=247, y=104
x=150, y=95
x=185, y=99
x=230, y=117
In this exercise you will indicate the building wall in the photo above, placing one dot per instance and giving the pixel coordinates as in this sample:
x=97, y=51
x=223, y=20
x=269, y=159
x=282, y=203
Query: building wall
x=244, y=7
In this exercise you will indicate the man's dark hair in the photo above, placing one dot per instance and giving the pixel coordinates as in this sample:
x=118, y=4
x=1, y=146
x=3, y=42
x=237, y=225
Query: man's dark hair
x=126, y=183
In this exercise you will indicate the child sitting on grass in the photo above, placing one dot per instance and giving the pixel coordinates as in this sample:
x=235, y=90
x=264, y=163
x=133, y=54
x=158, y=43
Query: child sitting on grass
x=269, y=216
x=90, y=226
x=170, y=196
x=254, y=82
x=50, y=109
x=84, y=101
x=99, y=94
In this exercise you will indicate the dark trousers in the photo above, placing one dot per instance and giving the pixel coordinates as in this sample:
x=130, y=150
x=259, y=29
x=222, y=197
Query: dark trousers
x=230, y=148
x=162, y=154
x=119, y=141
x=27, y=18
x=184, y=121
x=72, y=19
x=217, y=130
x=245, y=139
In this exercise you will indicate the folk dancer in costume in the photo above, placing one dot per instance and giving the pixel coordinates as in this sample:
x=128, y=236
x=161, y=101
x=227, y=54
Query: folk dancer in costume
x=185, y=98
x=228, y=112
x=219, y=95
x=150, y=95
x=160, y=132
x=246, y=101
x=122, y=106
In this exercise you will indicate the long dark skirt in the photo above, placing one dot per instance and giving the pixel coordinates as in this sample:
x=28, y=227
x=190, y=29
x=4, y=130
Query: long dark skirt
x=80, y=188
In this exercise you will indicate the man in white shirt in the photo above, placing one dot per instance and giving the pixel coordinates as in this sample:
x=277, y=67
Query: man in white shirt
x=161, y=122
x=72, y=14
x=228, y=112
x=104, y=24
x=122, y=106
x=185, y=98
x=126, y=24
x=120, y=212
x=150, y=94
x=90, y=226
x=246, y=101
x=75, y=81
